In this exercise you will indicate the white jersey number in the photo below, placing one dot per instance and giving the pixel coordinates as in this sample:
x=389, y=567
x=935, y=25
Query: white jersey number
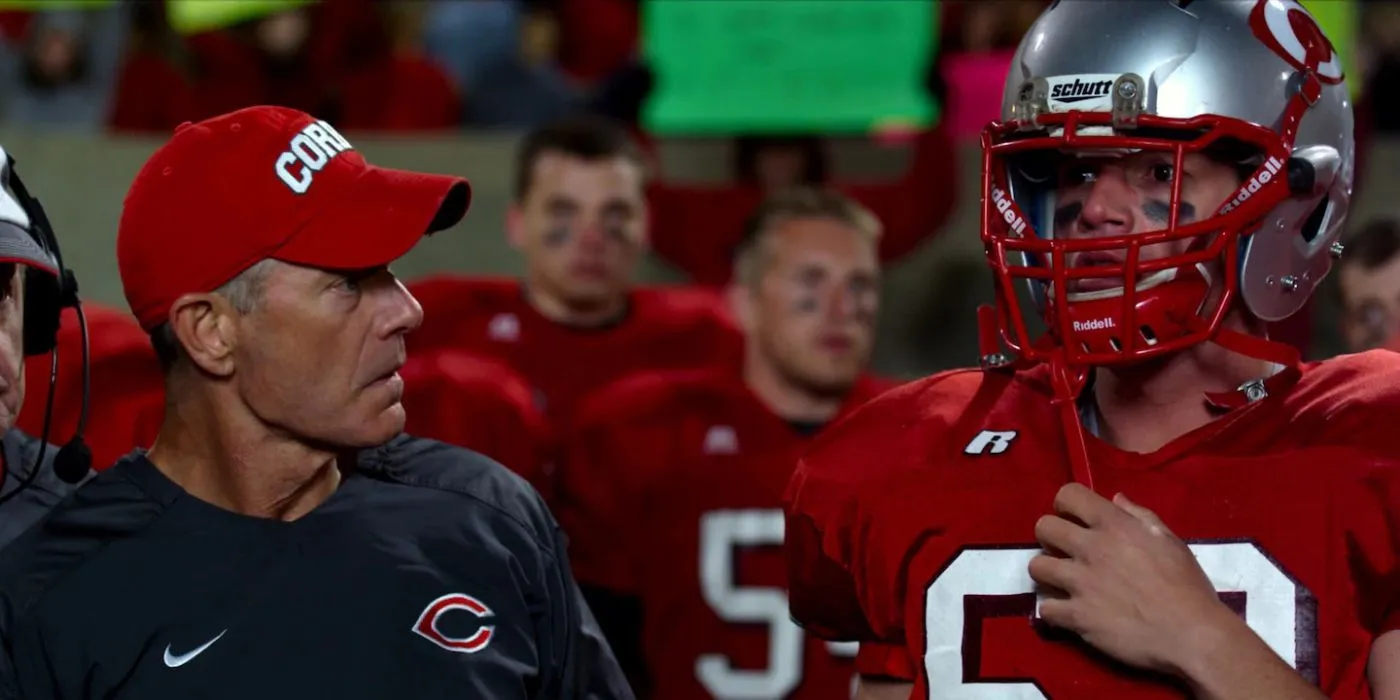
x=1276, y=607
x=721, y=534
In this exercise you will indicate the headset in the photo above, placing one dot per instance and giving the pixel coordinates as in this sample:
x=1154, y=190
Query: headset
x=45, y=298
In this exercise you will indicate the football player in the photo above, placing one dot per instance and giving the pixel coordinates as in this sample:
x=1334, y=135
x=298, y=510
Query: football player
x=576, y=320
x=1369, y=281
x=1149, y=499
x=673, y=482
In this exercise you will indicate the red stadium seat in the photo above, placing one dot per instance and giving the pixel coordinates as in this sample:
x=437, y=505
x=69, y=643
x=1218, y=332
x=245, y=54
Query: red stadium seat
x=477, y=403
x=128, y=388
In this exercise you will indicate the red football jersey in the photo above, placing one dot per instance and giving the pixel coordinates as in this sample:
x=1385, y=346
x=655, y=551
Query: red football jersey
x=665, y=328
x=674, y=486
x=913, y=522
x=480, y=404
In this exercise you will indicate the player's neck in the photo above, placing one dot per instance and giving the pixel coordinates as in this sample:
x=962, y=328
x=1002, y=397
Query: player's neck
x=558, y=310
x=226, y=457
x=786, y=398
x=1143, y=407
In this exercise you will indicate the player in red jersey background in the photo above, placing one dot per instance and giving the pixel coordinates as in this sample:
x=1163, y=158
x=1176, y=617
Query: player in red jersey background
x=576, y=321
x=673, y=481
x=1150, y=500
x=483, y=404
x=1368, y=282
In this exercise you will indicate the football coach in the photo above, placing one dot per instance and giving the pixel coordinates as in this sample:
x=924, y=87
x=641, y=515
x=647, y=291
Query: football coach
x=282, y=538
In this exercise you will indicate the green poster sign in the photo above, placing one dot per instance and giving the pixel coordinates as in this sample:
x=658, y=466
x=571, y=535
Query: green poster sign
x=194, y=16
x=765, y=66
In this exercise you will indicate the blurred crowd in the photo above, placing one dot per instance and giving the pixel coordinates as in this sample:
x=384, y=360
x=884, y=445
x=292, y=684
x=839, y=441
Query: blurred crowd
x=437, y=65
x=565, y=375
x=412, y=66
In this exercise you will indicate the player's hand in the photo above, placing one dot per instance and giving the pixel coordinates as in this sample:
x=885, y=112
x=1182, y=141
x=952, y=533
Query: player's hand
x=1125, y=583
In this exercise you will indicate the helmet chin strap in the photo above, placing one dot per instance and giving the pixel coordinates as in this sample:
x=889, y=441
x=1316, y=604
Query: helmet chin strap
x=1273, y=352
x=1069, y=381
x=1255, y=347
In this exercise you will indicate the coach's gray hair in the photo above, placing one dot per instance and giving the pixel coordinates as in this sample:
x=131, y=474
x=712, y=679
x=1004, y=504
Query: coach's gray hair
x=244, y=293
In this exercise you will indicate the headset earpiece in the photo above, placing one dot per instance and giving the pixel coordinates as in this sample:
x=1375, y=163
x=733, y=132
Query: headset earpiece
x=42, y=312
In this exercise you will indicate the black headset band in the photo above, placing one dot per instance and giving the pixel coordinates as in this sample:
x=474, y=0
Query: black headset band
x=41, y=229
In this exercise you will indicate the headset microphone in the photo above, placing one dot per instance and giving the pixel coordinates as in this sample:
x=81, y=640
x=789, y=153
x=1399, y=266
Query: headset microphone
x=73, y=460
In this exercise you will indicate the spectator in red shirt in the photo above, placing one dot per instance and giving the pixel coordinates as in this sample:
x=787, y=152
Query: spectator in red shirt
x=404, y=91
x=155, y=86
x=597, y=37
x=303, y=57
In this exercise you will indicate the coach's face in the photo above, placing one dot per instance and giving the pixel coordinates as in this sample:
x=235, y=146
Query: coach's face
x=319, y=356
x=581, y=226
x=814, y=310
x=11, y=344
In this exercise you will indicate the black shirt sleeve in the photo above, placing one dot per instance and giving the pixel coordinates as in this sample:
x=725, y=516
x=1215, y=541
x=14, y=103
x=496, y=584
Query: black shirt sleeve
x=575, y=659
x=619, y=616
x=26, y=676
x=9, y=681
x=589, y=669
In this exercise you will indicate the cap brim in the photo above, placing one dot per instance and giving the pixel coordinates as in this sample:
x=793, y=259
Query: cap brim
x=17, y=246
x=378, y=220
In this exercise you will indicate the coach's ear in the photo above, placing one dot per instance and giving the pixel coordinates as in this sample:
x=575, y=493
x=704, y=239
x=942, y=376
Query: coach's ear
x=741, y=304
x=203, y=325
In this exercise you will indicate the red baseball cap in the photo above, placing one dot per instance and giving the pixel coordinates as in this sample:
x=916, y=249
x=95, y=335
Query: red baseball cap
x=260, y=183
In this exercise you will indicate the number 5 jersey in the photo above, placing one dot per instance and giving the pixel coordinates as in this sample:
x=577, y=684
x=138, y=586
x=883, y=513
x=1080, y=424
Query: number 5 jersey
x=911, y=523
x=671, y=495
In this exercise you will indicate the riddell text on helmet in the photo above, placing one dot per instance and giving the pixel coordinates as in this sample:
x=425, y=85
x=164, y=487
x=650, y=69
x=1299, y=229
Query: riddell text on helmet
x=1008, y=211
x=307, y=153
x=1098, y=324
x=1247, y=190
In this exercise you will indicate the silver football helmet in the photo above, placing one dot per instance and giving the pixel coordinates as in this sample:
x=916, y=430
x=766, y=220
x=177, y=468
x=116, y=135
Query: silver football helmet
x=1252, y=83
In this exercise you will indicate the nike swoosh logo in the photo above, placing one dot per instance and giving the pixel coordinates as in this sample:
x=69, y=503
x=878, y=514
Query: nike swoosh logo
x=176, y=661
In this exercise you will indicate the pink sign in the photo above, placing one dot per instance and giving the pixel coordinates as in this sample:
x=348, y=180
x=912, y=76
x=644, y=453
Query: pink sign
x=975, y=82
